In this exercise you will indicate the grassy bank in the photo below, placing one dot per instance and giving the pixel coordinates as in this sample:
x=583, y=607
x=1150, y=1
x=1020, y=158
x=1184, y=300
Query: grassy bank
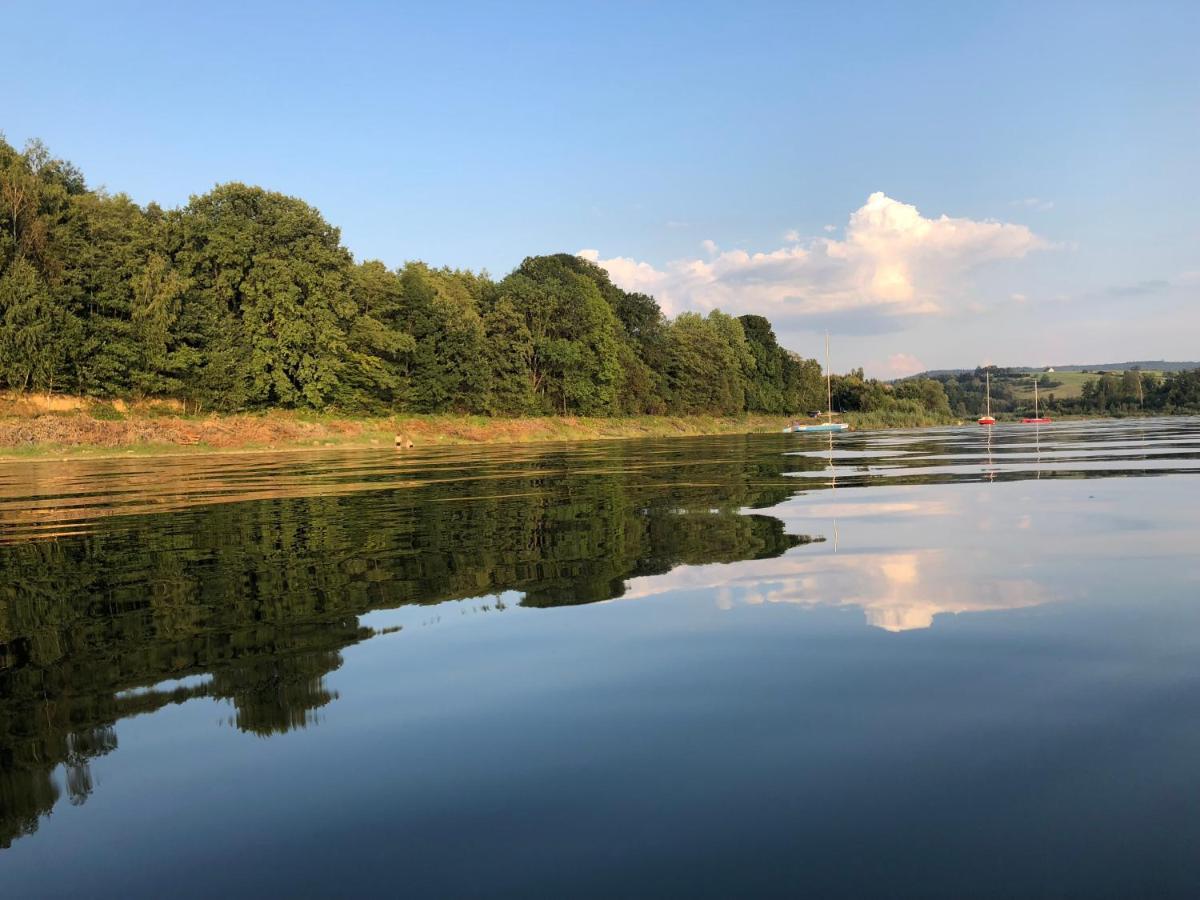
x=101, y=430
x=896, y=418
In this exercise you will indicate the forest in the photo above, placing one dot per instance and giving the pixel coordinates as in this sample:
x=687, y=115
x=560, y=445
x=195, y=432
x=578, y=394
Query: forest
x=246, y=299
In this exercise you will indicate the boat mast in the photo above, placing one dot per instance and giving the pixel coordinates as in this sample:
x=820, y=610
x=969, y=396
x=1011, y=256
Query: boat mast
x=1036, y=414
x=828, y=383
x=988, y=376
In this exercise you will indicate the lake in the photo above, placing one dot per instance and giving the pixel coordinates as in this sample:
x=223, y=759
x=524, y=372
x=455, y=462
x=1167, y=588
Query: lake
x=913, y=663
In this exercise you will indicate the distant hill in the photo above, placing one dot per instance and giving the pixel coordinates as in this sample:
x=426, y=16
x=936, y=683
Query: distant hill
x=1146, y=365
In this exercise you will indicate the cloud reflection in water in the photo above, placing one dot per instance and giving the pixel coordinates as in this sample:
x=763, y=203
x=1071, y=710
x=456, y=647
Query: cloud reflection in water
x=972, y=566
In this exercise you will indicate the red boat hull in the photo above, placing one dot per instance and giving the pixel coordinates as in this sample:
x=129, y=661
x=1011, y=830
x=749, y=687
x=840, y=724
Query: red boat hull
x=987, y=420
x=1038, y=421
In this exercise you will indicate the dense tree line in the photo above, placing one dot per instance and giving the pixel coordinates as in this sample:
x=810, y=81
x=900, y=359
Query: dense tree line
x=966, y=392
x=1138, y=392
x=245, y=298
x=911, y=401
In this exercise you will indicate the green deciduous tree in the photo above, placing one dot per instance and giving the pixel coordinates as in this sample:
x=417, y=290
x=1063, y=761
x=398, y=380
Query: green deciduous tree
x=575, y=366
x=35, y=332
x=926, y=391
x=246, y=298
x=449, y=368
x=705, y=364
x=158, y=291
x=269, y=300
x=378, y=349
x=510, y=352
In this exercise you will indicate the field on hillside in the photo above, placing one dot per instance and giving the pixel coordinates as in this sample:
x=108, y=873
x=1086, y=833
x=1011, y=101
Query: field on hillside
x=1071, y=387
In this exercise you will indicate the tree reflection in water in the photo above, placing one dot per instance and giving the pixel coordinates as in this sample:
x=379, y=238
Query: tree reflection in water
x=263, y=595
x=251, y=577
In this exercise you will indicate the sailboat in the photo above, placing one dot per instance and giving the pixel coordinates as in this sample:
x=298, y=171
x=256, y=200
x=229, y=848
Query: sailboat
x=797, y=427
x=1037, y=418
x=988, y=419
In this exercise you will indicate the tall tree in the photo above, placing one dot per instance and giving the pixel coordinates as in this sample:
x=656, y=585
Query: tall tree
x=379, y=350
x=35, y=331
x=511, y=358
x=804, y=383
x=158, y=291
x=449, y=368
x=765, y=388
x=576, y=365
x=705, y=364
x=105, y=245
x=269, y=297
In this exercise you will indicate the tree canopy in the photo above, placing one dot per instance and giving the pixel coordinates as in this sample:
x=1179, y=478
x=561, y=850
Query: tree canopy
x=245, y=298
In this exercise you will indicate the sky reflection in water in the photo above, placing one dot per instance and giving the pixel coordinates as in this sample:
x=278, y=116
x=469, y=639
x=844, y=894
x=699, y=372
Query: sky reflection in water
x=950, y=662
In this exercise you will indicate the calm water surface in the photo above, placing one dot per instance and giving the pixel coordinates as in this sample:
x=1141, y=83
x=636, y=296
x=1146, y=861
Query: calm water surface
x=902, y=663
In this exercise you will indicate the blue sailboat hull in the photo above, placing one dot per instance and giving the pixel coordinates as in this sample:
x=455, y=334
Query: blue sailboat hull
x=828, y=426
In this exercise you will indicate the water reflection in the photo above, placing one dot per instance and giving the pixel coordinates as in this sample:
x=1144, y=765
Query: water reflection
x=131, y=586
x=974, y=564
x=263, y=595
x=894, y=591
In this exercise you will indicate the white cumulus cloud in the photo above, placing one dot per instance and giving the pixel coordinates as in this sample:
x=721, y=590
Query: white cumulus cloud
x=892, y=261
x=901, y=364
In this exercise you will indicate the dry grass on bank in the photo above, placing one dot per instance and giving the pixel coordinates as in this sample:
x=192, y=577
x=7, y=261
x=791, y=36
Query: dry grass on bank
x=34, y=426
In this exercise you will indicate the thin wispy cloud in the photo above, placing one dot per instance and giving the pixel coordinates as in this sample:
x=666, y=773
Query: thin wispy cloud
x=1034, y=203
x=1140, y=288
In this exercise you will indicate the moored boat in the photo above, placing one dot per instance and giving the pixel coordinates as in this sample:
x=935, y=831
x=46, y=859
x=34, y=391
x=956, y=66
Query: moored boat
x=1037, y=418
x=988, y=419
x=830, y=426
x=798, y=427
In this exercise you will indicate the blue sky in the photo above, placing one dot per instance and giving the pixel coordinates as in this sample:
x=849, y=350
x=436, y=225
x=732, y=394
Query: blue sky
x=715, y=154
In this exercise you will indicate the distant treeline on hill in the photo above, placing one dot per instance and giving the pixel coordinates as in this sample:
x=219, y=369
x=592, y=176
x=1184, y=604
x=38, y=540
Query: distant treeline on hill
x=245, y=298
x=1145, y=365
x=1129, y=392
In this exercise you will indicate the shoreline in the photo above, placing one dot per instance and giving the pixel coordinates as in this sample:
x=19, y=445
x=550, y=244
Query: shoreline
x=56, y=437
x=77, y=435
